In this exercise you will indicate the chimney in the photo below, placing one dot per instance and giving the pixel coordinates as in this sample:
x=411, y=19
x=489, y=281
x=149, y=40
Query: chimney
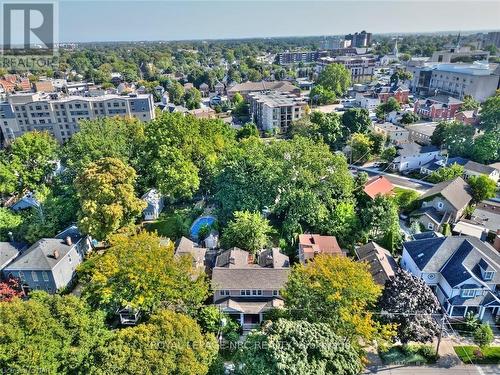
x=496, y=243
x=269, y=260
x=68, y=241
x=55, y=254
x=11, y=237
x=231, y=260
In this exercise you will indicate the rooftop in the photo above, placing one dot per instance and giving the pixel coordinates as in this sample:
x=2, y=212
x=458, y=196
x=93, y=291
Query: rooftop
x=455, y=191
x=378, y=185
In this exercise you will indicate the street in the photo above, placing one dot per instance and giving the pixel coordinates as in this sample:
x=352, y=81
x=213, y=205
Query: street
x=432, y=370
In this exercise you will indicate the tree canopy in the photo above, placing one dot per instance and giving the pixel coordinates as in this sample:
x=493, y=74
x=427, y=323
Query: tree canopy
x=336, y=78
x=248, y=230
x=482, y=187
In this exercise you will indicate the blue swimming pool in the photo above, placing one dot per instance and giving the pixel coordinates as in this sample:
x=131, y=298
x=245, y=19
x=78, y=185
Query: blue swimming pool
x=199, y=223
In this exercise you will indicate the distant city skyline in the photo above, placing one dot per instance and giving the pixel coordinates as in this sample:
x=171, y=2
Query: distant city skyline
x=121, y=21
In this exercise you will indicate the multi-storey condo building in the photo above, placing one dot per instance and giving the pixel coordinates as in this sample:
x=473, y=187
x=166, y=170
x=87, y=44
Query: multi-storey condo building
x=60, y=116
x=361, y=67
x=362, y=39
x=275, y=111
x=479, y=80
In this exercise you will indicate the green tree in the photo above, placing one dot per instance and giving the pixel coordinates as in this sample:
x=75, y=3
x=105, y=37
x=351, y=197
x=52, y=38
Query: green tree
x=388, y=154
x=490, y=113
x=141, y=272
x=406, y=199
x=400, y=75
x=297, y=347
x=192, y=98
x=469, y=104
x=169, y=343
x=486, y=148
x=334, y=290
x=176, y=93
x=248, y=230
x=409, y=118
x=9, y=222
x=248, y=130
x=321, y=95
x=336, y=78
x=446, y=173
x=482, y=187
x=378, y=142
x=8, y=178
x=356, y=120
x=483, y=335
x=456, y=137
x=107, y=197
x=385, y=108
x=33, y=157
x=361, y=148
x=49, y=333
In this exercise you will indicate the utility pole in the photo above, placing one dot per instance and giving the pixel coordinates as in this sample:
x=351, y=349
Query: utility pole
x=441, y=328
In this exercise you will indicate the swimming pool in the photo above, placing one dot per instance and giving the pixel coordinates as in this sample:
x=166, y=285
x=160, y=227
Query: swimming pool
x=199, y=223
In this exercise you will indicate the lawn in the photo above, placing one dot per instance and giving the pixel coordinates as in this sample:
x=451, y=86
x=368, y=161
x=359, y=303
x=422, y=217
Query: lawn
x=173, y=224
x=489, y=355
x=410, y=355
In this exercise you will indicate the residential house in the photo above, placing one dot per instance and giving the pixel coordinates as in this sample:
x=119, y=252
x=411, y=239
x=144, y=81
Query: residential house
x=205, y=90
x=186, y=247
x=27, y=201
x=436, y=164
x=155, y=203
x=9, y=251
x=411, y=156
x=437, y=108
x=246, y=88
x=421, y=132
x=395, y=134
x=467, y=117
x=397, y=91
x=246, y=290
x=477, y=169
x=465, y=227
x=462, y=271
x=219, y=88
x=203, y=113
x=50, y=263
x=382, y=264
x=378, y=185
x=443, y=203
x=12, y=82
x=487, y=213
x=311, y=245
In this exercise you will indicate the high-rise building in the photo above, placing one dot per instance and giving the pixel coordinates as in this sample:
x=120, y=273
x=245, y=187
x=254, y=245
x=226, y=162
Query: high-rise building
x=492, y=38
x=360, y=40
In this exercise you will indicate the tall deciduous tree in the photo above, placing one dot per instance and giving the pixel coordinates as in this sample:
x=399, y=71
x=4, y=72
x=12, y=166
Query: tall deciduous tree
x=141, y=272
x=297, y=347
x=410, y=303
x=482, y=187
x=355, y=120
x=248, y=230
x=446, y=173
x=335, y=290
x=490, y=113
x=486, y=148
x=390, y=105
x=107, y=197
x=336, y=78
x=169, y=343
x=361, y=148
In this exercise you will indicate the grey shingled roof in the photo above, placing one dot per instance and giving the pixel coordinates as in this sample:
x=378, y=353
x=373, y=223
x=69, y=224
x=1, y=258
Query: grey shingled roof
x=249, y=278
x=382, y=264
x=479, y=168
x=455, y=191
x=8, y=251
x=239, y=257
x=273, y=258
x=412, y=148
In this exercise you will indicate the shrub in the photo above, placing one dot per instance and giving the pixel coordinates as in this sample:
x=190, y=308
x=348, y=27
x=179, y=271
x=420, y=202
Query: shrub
x=483, y=335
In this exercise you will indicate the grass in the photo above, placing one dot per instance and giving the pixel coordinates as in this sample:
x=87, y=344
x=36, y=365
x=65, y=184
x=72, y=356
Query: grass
x=488, y=355
x=174, y=223
x=408, y=355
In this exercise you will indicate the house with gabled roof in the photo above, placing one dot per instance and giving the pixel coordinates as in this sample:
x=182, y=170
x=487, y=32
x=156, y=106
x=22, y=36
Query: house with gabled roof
x=186, y=247
x=462, y=271
x=443, y=203
x=411, y=156
x=50, y=263
x=381, y=262
x=378, y=185
x=245, y=288
x=311, y=245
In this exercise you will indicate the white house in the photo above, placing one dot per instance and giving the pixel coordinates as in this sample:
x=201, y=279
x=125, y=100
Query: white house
x=462, y=271
x=395, y=134
x=412, y=156
x=155, y=204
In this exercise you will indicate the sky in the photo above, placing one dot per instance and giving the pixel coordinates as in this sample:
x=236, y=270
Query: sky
x=114, y=20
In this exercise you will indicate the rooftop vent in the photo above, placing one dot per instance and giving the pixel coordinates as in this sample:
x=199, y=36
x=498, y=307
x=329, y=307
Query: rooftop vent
x=68, y=241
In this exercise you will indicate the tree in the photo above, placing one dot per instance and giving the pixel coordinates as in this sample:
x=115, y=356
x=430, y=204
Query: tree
x=469, y=104
x=296, y=347
x=483, y=335
x=50, y=333
x=361, y=147
x=192, y=98
x=9, y=222
x=8, y=178
x=334, y=290
x=356, y=120
x=446, y=173
x=169, y=343
x=336, y=78
x=248, y=130
x=176, y=93
x=107, y=198
x=400, y=75
x=248, y=230
x=319, y=126
x=385, y=108
x=406, y=199
x=410, y=303
x=482, y=187
x=212, y=320
x=378, y=142
x=409, y=118
x=321, y=95
x=486, y=148
x=388, y=154
x=141, y=272
x=456, y=137
x=33, y=157
x=11, y=288
x=490, y=113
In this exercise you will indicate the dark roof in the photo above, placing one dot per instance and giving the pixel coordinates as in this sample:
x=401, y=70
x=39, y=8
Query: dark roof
x=382, y=264
x=455, y=191
x=412, y=148
x=273, y=258
x=233, y=257
x=422, y=251
x=9, y=251
x=430, y=212
x=479, y=168
x=425, y=235
x=454, y=271
x=249, y=278
x=481, y=300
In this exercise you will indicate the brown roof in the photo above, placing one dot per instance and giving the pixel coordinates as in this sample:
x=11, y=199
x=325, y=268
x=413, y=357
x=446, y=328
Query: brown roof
x=317, y=243
x=249, y=278
x=382, y=264
x=455, y=191
x=378, y=186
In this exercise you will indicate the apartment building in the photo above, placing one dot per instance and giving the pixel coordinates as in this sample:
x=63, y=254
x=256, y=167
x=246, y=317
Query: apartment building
x=479, y=80
x=275, y=111
x=362, y=39
x=60, y=115
x=361, y=67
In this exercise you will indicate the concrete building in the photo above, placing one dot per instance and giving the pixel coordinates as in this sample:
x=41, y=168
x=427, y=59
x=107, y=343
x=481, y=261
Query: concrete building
x=492, y=38
x=362, y=67
x=275, y=111
x=249, y=87
x=459, y=54
x=421, y=132
x=60, y=115
x=479, y=80
x=395, y=134
x=362, y=39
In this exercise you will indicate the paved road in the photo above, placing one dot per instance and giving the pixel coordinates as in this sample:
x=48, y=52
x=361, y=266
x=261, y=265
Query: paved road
x=429, y=370
x=399, y=181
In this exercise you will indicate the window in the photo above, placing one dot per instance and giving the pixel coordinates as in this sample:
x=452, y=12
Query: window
x=242, y=292
x=21, y=276
x=45, y=276
x=34, y=276
x=430, y=226
x=276, y=292
x=468, y=293
x=488, y=275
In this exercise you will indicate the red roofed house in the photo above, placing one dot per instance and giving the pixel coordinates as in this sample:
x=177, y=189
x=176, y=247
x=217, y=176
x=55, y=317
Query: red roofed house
x=311, y=245
x=11, y=81
x=378, y=185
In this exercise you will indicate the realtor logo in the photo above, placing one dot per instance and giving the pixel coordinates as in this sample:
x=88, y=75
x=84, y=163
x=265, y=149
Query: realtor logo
x=29, y=26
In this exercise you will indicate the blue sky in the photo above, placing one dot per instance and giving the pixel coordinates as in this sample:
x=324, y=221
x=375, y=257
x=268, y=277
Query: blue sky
x=114, y=20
